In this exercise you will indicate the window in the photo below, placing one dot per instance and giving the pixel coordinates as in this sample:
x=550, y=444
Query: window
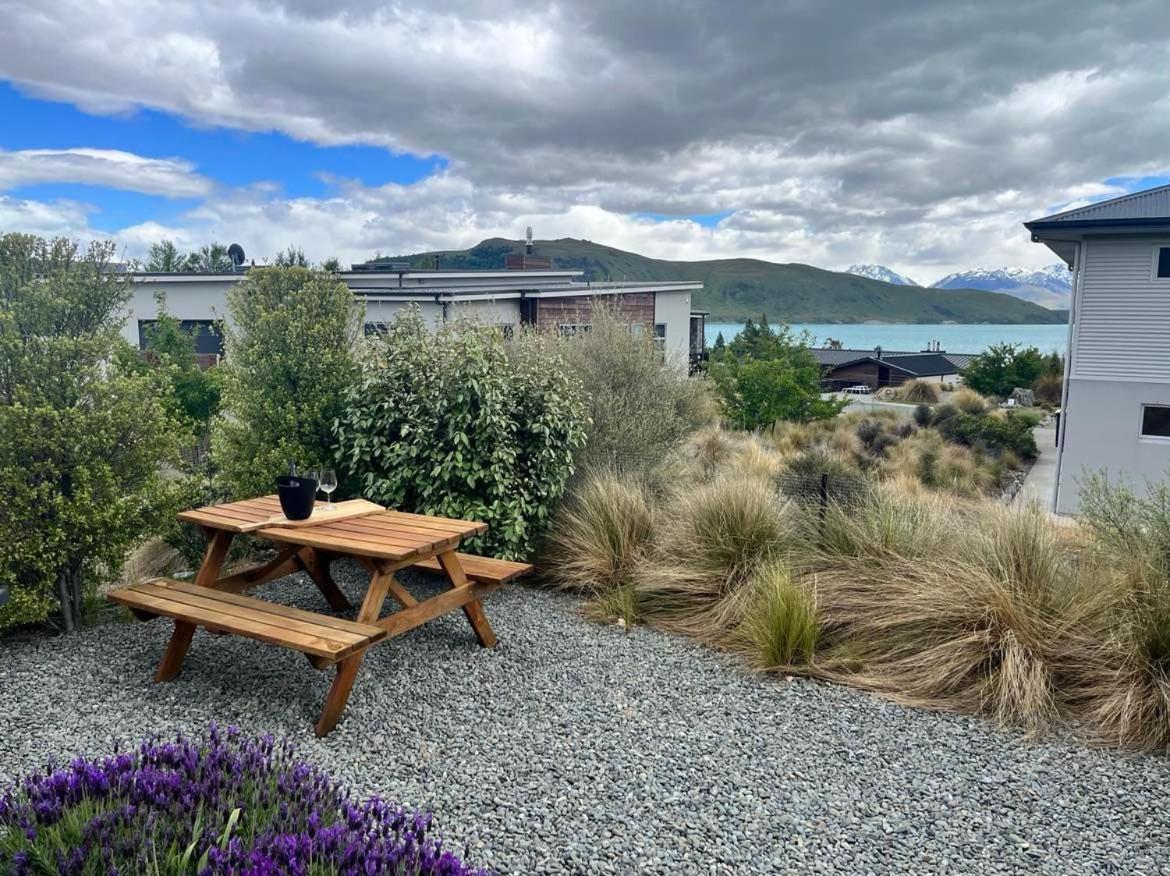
x=208, y=334
x=377, y=329
x=660, y=334
x=1156, y=421
x=568, y=329
x=506, y=329
x=1162, y=262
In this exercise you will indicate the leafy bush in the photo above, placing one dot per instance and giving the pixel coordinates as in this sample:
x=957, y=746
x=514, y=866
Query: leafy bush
x=1003, y=367
x=195, y=392
x=290, y=360
x=218, y=805
x=991, y=433
x=765, y=375
x=922, y=416
x=642, y=406
x=83, y=437
x=458, y=423
x=918, y=392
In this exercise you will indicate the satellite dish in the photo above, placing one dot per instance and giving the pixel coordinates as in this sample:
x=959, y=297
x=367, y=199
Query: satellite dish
x=236, y=254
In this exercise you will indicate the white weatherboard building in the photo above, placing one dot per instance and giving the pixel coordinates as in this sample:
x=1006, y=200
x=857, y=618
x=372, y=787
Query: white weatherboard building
x=1116, y=407
x=555, y=300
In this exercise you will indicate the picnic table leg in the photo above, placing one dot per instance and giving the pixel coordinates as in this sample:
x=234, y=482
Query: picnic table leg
x=213, y=559
x=347, y=669
x=473, y=610
x=316, y=563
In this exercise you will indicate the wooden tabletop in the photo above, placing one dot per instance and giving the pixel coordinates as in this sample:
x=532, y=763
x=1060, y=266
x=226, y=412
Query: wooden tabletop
x=392, y=535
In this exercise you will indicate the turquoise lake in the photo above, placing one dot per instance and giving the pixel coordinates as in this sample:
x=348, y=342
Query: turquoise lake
x=952, y=338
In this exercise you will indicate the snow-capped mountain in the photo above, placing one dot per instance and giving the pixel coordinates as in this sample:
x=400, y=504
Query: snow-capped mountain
x=1049, y=287
x=881, y=272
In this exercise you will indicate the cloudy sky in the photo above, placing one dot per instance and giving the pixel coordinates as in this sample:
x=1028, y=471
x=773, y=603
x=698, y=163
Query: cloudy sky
x=915, y=133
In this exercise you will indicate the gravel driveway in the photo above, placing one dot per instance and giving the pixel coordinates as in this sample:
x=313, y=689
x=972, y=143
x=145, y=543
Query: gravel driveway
x=577, y=748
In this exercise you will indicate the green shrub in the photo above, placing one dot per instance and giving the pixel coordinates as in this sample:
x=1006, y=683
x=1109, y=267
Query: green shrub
x=457, y=422
x=83, y=438
x=779, y=628
x=642, y=406
x=992, y=434
x=922, y=415
x=1047, y=389
x=291, y=345
x=1003, y=367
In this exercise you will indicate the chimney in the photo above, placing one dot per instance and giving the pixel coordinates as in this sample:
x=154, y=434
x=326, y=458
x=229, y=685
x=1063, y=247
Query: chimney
x=877, y=352
x=528, y=241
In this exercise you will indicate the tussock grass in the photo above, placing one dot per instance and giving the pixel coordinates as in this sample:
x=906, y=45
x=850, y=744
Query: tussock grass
x=712, y=540
x=918, y=392
x=599, y=534
x=938, y=464
x=970, y=402
x=619, y=604
x=779, y=627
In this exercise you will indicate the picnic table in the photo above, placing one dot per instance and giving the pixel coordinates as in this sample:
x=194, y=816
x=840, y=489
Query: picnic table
x=382, y=541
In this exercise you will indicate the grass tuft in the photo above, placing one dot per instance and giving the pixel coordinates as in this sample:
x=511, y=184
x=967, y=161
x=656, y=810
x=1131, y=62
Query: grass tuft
x=779, y=627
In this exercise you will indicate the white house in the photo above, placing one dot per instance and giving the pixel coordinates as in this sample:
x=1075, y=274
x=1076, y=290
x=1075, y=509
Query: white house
x=557, y=300
x=1116, y=406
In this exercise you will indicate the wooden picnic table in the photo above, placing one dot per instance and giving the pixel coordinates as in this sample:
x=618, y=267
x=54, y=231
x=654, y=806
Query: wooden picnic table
x=382, y=541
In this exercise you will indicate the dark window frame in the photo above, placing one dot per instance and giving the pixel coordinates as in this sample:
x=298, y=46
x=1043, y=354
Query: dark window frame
x=1162, y=263
x=1157, y=426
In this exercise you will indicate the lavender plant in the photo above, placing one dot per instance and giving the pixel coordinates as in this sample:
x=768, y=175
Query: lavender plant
x=219, y=804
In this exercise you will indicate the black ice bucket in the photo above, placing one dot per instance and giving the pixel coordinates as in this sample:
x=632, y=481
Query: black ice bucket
x=297, y=495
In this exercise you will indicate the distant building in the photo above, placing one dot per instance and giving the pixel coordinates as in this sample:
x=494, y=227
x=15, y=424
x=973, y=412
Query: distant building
x=1115, y=412
x=553, y=300
x=879, y=368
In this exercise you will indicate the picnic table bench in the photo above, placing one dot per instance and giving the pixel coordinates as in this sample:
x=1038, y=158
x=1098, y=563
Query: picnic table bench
x=382, y=541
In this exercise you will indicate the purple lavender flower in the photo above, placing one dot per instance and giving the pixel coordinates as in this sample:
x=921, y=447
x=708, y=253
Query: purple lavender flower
x=217, y=805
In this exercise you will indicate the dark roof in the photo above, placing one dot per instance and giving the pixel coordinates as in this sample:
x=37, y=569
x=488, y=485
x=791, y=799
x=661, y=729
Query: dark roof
x=925, y=364
x=1149, y=207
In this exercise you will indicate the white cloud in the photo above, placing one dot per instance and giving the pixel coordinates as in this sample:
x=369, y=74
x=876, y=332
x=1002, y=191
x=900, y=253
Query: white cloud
x=916, y=134
x=171, y=177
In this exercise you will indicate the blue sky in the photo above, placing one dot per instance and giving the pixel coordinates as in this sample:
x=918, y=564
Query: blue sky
x=766, y=130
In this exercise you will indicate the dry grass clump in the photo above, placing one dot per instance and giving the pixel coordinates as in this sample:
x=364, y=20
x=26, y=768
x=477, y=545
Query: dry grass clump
x=713, y=539
x=938, y=464
x=599, y=534
x=779, y=627
x=918, y=392
x=890, y=523
x=970, y=402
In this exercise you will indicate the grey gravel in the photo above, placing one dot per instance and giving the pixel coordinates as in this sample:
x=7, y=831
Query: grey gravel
x=578, y=748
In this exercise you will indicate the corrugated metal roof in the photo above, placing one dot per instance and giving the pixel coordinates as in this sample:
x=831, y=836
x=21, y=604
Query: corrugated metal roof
x=1144, y=206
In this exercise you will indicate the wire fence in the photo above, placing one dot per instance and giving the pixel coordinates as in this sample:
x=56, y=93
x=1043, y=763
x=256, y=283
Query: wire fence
x=822, y=489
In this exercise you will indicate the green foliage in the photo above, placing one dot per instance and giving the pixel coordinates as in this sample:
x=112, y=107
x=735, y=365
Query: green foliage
x=457, y=422
x=293, y=257
x=83, y=437
x=991, y=433
x=211, y=257
x=642, y=407
x=780, y=627
x=291, y=359
x=1003, y=367
x=765, y=375
x=166, y=258
x=195, y=392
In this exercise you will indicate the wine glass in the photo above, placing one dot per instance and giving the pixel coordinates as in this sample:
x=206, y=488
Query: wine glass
x=327, y=483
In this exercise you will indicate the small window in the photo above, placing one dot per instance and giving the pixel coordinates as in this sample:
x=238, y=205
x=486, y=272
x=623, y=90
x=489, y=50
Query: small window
x=1162, y=270
x=568, y=329
x=1156, y=421
x=660, y=334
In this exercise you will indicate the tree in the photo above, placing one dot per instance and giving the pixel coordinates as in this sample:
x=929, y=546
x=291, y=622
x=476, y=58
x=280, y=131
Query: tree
x=1003, y=367
x=211, y=257
x=291, y=344
x=166, y=258
x=331, y=265
x=83, y=437
x=293, y=257
x=765, y=375
x=195, y=392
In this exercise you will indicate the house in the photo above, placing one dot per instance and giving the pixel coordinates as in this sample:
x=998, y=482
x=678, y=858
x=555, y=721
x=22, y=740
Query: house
x=878, y=368
x=1115, y=412
x=547, y=299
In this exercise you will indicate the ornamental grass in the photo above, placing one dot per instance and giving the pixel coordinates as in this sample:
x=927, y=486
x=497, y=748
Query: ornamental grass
x=220, y=804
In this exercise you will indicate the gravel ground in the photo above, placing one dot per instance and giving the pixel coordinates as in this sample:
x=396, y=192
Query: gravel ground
x=577, y=748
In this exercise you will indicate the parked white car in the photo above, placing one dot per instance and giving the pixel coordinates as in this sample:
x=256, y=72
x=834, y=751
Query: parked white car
x=859, y=389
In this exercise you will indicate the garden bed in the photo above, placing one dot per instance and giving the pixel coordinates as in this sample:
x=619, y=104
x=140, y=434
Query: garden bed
x=574, y=747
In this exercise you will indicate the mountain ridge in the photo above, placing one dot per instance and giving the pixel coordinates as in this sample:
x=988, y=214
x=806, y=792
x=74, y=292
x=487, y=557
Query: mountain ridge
x=739, y=288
